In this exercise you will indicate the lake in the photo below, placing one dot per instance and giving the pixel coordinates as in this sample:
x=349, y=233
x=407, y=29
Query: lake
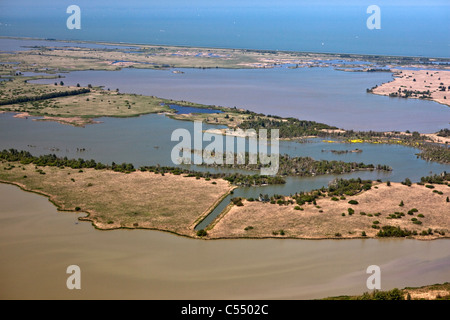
x=37, y=244
x=318, y=94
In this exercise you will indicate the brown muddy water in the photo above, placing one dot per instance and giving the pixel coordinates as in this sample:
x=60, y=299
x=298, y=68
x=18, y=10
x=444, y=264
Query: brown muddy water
x=38, y=243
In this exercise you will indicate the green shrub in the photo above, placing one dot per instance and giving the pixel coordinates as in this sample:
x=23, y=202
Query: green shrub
x=429, y=186
x=298, y=208
x=334, y=199
x=362, y=213
x=363, y=234
x=401, y=204
x=350, y=211
x=202, y=233
x=407, y=182
x=411, y=212
x=77, y=208
x=237, y=202
x=248, y=228
x=391, y=231
x=353, y=202
x=421, y=215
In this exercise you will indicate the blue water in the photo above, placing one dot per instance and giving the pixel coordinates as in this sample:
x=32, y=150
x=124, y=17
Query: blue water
x=415, y=28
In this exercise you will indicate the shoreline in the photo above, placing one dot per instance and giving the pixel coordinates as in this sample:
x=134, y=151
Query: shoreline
x=411, y=84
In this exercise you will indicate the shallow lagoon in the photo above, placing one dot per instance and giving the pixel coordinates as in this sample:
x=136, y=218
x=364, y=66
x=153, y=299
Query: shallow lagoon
x=146, y=140
x=319, y=94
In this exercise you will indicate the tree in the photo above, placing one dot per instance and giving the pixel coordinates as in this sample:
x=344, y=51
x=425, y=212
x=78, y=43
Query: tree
x=407, y=182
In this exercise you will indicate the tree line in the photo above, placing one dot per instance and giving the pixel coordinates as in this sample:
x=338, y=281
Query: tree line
x=51, y=160
x=45, y=96
x=288, y=127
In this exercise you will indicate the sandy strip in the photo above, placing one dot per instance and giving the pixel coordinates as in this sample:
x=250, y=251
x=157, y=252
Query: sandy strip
x=418, y=81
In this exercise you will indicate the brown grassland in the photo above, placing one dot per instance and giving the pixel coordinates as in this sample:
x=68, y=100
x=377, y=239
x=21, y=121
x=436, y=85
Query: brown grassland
x=419, y=81
x=325, y=219
x=176, y=204
x=114, y=200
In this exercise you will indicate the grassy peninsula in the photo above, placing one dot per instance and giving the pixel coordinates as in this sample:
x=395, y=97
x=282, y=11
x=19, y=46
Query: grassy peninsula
x=119, y=196
x=346, y=209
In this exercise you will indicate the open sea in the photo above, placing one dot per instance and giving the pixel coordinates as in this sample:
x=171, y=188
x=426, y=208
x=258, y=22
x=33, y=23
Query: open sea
x=411, y=28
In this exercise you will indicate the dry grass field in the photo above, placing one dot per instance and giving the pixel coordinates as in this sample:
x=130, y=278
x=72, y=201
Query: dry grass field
x=117, y=200
x=78, y=109
x=419, y=81
x=326, y=219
